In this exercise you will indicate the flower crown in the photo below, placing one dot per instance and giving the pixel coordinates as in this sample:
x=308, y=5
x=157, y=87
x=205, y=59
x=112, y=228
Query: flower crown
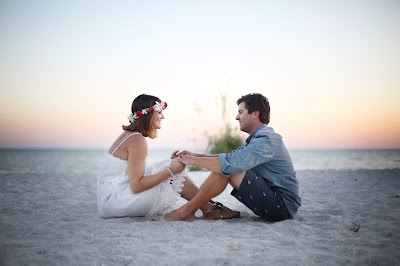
x=158, y=107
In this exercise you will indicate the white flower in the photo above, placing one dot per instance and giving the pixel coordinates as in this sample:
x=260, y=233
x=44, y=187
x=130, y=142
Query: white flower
x=132, y=118
x=144, y=112
x=158, y=107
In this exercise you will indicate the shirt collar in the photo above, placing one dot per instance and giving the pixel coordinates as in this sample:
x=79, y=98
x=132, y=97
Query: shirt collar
x=254, y=132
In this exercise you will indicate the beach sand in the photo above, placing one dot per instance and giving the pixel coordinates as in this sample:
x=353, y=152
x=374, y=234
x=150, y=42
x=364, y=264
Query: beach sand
x=53, y=219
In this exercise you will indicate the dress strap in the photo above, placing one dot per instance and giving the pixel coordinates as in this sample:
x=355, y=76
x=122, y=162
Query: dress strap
x=124, y=141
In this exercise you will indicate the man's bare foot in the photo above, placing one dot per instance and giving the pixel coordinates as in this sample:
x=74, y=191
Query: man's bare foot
x=220, y=212
x=177, y=216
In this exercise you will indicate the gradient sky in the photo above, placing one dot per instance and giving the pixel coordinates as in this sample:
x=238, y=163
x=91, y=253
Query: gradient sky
x=69, y=70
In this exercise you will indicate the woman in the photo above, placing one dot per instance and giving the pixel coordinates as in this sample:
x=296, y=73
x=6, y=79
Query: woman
x=129, y=186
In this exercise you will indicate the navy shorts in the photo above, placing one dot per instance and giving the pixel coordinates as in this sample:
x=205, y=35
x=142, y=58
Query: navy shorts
x=263, y=200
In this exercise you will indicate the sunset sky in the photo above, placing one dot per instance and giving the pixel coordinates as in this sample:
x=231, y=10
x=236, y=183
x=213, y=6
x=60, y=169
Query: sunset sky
x=69, y=70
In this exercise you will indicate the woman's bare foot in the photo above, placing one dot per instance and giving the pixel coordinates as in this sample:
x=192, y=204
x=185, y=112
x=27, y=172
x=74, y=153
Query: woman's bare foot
x=177, y=216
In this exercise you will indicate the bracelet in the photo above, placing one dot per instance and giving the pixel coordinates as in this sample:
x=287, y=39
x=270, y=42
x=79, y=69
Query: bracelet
x=169, y=170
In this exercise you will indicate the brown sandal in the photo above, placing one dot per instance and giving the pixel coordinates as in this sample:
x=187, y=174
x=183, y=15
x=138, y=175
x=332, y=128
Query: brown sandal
x=221, y=207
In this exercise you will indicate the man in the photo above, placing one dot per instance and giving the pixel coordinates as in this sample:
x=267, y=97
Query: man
x=261, y=172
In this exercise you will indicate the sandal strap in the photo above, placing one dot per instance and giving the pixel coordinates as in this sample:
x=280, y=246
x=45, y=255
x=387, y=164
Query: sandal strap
x=220, y=205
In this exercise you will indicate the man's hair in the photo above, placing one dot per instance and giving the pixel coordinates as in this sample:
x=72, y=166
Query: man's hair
x=257, y=102
x=144, y=124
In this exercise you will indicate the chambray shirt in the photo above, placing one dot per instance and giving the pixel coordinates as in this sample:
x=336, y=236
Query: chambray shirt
x=266, y=155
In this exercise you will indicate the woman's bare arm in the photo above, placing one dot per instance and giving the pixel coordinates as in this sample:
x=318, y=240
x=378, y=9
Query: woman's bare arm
x=137, y=153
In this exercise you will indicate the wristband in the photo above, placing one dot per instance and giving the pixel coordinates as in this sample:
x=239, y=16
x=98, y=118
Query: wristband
x=169, y=170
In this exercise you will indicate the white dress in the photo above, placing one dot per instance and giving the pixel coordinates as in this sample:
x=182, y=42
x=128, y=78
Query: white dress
x=116, y=199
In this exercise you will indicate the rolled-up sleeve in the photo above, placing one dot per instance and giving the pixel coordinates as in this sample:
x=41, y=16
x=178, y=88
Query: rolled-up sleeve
x=259, y=150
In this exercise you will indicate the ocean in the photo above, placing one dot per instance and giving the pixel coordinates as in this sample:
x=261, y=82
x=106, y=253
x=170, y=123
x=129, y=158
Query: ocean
x=23, y=161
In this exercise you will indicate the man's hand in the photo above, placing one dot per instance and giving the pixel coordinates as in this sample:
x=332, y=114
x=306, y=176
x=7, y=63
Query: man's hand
x=210, y=163
x=182, y=153
x=187, y=159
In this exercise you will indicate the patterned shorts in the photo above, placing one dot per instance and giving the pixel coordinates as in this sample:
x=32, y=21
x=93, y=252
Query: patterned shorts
x=263, y=200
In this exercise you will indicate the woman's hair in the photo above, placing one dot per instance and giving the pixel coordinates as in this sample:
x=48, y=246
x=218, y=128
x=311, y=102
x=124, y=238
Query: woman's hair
x=144, y=124
x=257, y=102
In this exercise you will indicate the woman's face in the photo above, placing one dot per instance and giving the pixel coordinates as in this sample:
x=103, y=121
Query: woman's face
x=157, y=116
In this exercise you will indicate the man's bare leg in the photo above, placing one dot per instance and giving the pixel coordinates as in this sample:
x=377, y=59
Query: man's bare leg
x=189, y=190
x=213, y=186
x=235, y=180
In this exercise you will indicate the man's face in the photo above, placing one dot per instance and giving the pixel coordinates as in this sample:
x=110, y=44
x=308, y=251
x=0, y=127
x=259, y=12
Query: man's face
x=245, y=119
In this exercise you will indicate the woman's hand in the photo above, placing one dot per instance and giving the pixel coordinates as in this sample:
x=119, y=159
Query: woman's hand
x=176, y=166
x=174, y=154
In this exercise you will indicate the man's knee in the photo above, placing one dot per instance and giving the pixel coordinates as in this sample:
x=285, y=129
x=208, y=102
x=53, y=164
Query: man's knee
x=236, y=179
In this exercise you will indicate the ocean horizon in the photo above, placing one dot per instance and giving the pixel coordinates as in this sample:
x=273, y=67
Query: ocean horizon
x=23, y=160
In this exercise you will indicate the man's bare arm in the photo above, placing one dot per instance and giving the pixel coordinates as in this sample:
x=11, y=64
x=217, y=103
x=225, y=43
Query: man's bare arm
x=180, y=154
x=208, y=162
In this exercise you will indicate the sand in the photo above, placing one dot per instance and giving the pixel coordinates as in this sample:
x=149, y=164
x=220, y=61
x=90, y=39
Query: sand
x=53, y=219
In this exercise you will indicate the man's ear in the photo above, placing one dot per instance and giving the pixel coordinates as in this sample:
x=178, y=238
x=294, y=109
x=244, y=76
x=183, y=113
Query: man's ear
x=256, y=114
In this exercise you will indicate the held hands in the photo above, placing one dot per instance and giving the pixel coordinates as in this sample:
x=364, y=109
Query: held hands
x=187, y=159
x=184, y=157
x=176, y=166
x=180, y=154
